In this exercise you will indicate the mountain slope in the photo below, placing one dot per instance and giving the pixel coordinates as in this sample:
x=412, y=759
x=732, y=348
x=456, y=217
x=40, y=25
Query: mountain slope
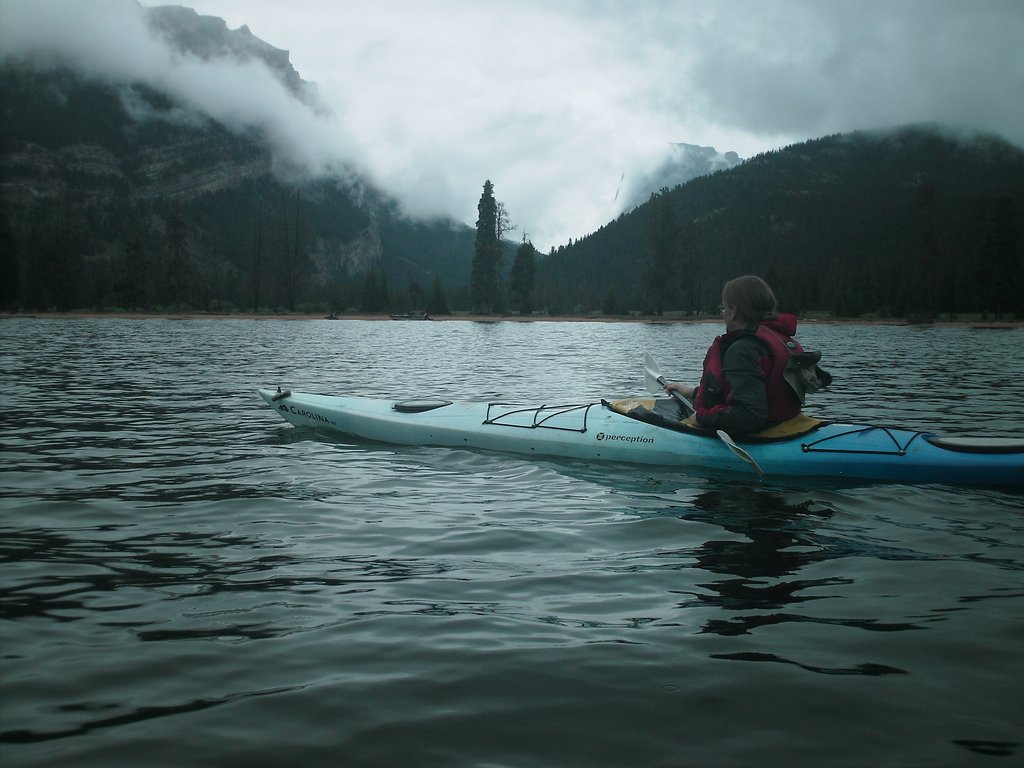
x=209, y=38
x=683, y=163
x=912, y=221
x=117, y=194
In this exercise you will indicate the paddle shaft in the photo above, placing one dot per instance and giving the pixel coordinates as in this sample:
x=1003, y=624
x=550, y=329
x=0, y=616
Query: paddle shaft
x=678, y=396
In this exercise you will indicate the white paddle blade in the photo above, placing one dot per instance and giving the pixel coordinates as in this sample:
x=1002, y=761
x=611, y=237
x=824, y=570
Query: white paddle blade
x=724, y=437
x=651, y=366
x=652, y=375
x=655, y=383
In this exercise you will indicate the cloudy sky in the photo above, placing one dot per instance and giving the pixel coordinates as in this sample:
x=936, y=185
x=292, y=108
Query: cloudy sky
x=556, y=101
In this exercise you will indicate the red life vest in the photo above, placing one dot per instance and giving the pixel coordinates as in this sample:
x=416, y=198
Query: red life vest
x=714, y=393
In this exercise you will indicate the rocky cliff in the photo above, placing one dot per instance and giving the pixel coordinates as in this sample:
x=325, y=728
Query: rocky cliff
x=120, y=170
x=209, y=38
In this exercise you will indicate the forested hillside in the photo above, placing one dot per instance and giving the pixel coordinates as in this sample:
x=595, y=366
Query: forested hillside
x=114, y=197
x=913, y=222
x=119, y=194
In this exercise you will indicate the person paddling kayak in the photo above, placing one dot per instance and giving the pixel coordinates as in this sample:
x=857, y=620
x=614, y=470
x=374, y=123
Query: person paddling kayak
x=756, y=374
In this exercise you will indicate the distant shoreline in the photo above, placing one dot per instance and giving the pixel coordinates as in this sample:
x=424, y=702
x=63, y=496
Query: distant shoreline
x=649, y=319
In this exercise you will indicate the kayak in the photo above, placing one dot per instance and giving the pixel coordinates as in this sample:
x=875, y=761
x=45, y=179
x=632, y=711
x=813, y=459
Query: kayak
x=653, y=431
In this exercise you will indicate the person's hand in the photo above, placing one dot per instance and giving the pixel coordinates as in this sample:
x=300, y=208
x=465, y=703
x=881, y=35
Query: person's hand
x=682, y=389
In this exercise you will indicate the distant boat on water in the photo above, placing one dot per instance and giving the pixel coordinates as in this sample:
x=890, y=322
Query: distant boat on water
x=411, y=316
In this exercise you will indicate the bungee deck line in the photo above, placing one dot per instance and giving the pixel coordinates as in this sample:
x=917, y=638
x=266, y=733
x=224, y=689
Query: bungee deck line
x=556, y=410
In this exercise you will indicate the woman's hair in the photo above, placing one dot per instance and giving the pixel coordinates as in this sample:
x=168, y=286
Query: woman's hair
x=752, y=297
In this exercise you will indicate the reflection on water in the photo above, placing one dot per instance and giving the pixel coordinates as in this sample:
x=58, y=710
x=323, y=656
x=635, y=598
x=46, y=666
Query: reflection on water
x=72, y=572
x=777, y=534
x=126, y=719
x=175, y=559
x=871, y=670
x=778, y=538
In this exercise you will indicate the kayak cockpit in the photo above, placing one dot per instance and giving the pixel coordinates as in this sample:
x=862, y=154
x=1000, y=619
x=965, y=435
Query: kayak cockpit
x=667, y=413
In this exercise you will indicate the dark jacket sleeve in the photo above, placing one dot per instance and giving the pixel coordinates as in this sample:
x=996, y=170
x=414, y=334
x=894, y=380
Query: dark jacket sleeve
x=747, y=410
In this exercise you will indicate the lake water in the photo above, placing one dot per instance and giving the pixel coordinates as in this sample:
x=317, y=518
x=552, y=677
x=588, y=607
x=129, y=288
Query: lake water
x=185, y=579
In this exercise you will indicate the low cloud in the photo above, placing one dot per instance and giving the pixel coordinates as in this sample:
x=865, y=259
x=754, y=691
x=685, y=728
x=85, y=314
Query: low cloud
x=554, y=102
x=110, y=41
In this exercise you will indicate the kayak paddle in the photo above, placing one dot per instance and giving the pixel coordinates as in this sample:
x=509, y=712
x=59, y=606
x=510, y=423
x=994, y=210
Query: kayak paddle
x=724, y=437
x=655, y=383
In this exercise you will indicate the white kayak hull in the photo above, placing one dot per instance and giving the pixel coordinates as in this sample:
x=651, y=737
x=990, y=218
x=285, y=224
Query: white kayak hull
x=596, y=432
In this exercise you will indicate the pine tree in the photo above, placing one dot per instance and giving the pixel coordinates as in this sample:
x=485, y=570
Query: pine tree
x=375, y=291
x=10, y=265
x=437, y=302
x=1001, y=253
x=521, y=277
x=178, y=280
x=257, y=263
x=662, y=234
x=487, y=255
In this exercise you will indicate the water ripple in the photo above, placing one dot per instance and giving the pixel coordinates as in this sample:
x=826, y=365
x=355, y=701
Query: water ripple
x=174, y=559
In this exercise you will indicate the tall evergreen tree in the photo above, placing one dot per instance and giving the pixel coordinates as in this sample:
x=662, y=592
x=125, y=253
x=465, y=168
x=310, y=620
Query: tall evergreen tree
x=662, y=234
x=257, y=260
x=135, y=279
x=437, y=301
x=1000, y=251
x=487, y=253
x=375, y=291
x=521, y=277
x=288, y=256
x=178, y=279
x=10, y=265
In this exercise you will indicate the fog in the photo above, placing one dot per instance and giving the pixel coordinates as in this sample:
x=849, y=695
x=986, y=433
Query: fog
x=556, y=103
